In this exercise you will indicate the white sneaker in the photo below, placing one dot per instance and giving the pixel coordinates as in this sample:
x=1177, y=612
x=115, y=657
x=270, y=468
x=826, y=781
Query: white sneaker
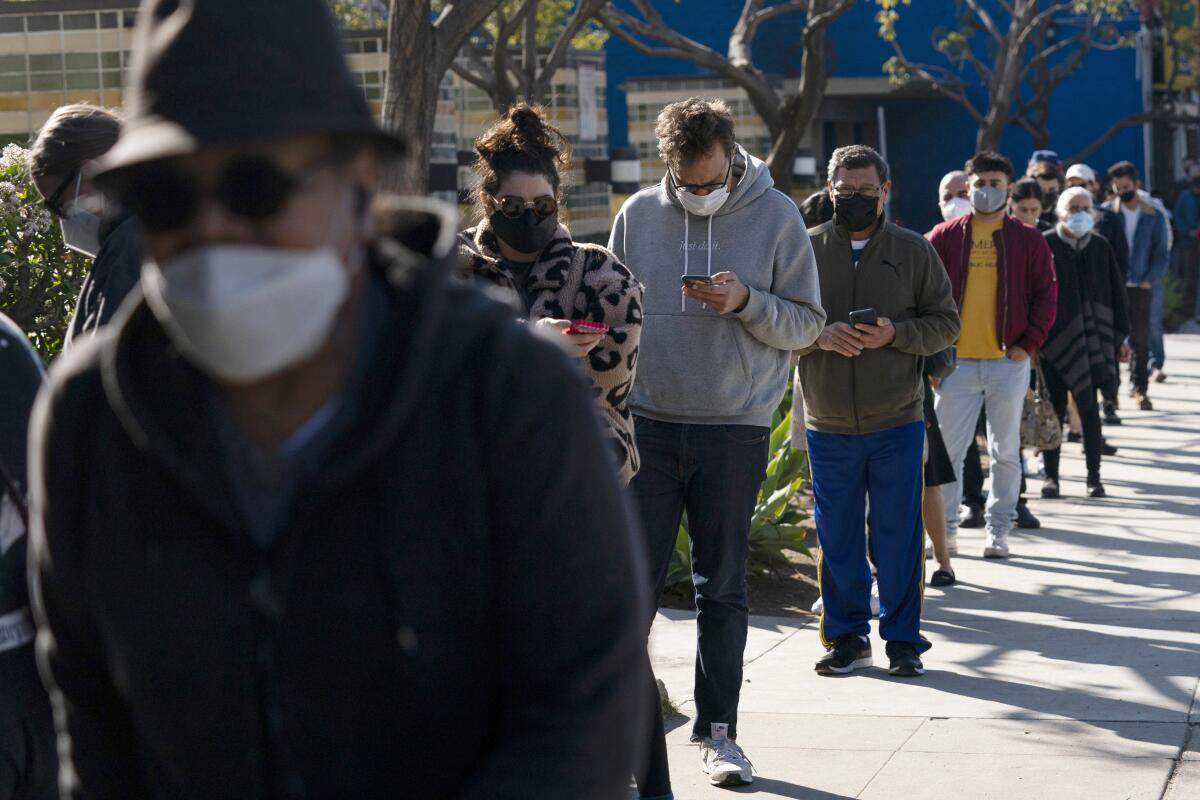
x=818, y=605
x=996, y=547
x=724, y=762
x=874, y=597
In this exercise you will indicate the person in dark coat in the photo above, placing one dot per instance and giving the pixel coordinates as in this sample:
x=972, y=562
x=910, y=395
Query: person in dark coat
x=28, y=762
x=817, y=209
x=1090, y=323
x=60, y=163
x=296, y=531
x=1110, y=226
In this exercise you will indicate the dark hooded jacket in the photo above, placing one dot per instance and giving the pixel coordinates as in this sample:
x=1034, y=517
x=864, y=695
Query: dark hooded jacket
x=452, y=607
x=113, y=275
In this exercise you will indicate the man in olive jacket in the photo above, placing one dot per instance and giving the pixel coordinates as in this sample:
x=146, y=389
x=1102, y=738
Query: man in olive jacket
x=309, y=521
x=862, y=390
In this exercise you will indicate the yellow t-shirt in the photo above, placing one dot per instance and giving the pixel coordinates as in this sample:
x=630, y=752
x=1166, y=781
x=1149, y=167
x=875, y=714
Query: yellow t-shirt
x=978, y=336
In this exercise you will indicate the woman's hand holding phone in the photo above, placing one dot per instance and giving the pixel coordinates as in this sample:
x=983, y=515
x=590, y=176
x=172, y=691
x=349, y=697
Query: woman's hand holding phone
x=579, y=344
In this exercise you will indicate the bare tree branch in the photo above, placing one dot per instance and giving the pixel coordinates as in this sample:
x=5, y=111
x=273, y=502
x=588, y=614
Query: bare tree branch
x=585, y=10
x=986, y=20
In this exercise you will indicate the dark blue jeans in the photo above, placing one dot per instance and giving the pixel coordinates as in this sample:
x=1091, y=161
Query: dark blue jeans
x=714, y=473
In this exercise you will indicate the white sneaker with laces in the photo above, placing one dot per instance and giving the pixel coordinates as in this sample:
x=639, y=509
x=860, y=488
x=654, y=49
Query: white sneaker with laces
x=724, y=762
x=995, y=547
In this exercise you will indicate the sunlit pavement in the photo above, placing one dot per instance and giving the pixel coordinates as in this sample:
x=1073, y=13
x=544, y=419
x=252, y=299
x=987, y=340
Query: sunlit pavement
x=1067, y=671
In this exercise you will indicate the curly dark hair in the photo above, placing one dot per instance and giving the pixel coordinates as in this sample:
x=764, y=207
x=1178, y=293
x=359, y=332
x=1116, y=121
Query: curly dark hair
x=520, y=141
x=989, y=161
x=856, y=156
x=687, y=130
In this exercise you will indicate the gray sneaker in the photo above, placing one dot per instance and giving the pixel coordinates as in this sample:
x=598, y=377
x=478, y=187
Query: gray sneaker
x=724, y=762
x=996, y=547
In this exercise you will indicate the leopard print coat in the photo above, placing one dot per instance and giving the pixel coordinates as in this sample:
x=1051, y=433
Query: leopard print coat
x=577, y=281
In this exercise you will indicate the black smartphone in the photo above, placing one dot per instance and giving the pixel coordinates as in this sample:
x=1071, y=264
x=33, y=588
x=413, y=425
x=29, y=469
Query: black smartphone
x=705, y=279
x=864, y=316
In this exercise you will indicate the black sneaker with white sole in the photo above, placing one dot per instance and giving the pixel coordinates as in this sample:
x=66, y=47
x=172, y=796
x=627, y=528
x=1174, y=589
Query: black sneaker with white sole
x=903, y=660
x=847, y=654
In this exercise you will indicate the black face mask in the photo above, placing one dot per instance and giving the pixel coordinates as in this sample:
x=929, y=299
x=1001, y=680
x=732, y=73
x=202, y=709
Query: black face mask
x=857, y=213
x=1049, y=201
x=527, y=233
x=1128, y=197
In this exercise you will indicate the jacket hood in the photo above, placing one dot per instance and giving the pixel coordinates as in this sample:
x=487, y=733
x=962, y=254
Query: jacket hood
x=160, y=398
x=753, y=182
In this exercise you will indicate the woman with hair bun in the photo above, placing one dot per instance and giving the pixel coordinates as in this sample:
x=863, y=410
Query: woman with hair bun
x=60, y=163
x=521, y=246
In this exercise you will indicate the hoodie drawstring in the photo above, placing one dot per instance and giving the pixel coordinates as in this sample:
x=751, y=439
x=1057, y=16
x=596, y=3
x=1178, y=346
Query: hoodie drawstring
x=687, y=242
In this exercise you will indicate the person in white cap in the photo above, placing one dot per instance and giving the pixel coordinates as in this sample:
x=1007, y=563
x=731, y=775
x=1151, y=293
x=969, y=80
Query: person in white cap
x=1108, y=225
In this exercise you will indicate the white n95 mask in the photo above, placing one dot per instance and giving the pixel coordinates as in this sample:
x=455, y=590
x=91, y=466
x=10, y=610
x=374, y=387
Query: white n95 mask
x=703, y=205
x=955, y=207
x=242, y=313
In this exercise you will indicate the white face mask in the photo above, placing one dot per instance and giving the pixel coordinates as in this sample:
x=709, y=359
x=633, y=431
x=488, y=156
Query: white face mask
x=80, y=227
x=988, y=199
x=1080, y=224
x=706, y=205
x=955, y=207
x=243, y=313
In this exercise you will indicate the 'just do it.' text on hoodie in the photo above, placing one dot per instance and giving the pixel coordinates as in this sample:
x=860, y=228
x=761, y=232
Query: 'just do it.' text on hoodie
x=697, y=366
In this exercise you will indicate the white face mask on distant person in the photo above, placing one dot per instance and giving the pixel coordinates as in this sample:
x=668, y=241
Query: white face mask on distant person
x=955, y=207
x=242, y=313
x=80, y=227
x=988, y=199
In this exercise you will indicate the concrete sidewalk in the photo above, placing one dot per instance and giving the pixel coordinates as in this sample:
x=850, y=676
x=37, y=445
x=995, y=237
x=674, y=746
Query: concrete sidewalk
x=1069, y=671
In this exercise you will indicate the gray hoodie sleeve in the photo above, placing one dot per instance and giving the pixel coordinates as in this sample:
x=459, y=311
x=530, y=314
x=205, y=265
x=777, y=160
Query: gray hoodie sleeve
x=616, y=239
x=936, y=325
x=789, y=316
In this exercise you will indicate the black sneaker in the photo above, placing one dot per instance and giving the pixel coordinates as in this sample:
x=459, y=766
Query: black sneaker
x=847, y=654
x=1074, y=438
x=1050, y=488
x=1108, y=449
x=1096, y=490
x=1110, y=415
x=903, y=660
x=1026, y=519
x=972, y=519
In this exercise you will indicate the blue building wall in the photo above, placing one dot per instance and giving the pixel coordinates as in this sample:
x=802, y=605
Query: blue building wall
x=926, y=137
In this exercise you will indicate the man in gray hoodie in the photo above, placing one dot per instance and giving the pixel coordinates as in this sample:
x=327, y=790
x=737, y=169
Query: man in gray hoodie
x=731, y=291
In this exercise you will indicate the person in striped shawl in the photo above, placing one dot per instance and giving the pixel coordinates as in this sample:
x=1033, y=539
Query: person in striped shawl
x=1079, y=355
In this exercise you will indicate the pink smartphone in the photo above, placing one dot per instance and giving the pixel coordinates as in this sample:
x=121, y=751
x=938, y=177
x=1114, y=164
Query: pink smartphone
x=586, y=326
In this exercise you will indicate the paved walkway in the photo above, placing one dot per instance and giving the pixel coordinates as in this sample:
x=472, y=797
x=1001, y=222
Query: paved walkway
x=1069, y=671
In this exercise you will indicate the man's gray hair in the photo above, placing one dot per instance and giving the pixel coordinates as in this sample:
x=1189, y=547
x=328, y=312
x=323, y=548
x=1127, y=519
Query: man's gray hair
x=857, y=156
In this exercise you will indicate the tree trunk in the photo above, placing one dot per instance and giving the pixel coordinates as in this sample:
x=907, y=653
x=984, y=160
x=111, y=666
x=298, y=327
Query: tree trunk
x=411, y=94
x=782, y=158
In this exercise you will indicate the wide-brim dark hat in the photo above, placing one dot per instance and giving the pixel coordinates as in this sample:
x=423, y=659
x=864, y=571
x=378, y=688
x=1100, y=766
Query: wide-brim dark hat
x=216, y=73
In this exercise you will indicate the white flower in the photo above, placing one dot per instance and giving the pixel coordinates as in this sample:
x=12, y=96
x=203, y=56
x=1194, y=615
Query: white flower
x=13, y=154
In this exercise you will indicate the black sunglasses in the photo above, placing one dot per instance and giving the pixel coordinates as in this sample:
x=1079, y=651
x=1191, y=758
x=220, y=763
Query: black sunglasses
x=693, y=188
x=53, y=202
x=512, y=206
x=166, y=198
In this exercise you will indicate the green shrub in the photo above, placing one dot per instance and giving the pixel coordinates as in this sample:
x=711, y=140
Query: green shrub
x=39, y=277
x=775, y=527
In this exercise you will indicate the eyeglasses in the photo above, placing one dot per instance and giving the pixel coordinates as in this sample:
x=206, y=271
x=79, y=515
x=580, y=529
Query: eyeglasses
x=846, y=192
x=696, y=188
x=165, y=197
x=512, y=206
x=53, y=202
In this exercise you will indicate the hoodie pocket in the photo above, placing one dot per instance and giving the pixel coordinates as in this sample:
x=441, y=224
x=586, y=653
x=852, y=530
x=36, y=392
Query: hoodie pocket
x=693, y=364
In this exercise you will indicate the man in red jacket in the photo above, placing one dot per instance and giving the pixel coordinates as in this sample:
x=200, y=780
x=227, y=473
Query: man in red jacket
x=1003, y=279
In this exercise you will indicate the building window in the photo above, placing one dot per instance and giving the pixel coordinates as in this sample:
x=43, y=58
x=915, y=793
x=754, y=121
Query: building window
x=46, y=62
x=43, y=22
x=12, y=24
x=110, y=19
x=79, y=22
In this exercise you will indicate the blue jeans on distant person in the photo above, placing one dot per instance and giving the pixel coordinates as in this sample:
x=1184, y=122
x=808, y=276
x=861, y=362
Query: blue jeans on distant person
x=1158, y=356
x=714, y=473
x=999, y=385
x=888, y=468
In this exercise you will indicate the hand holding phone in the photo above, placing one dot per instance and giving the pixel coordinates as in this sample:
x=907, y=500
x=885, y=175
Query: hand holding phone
x=864, y=316
x=690, y=280
x=582, y=326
